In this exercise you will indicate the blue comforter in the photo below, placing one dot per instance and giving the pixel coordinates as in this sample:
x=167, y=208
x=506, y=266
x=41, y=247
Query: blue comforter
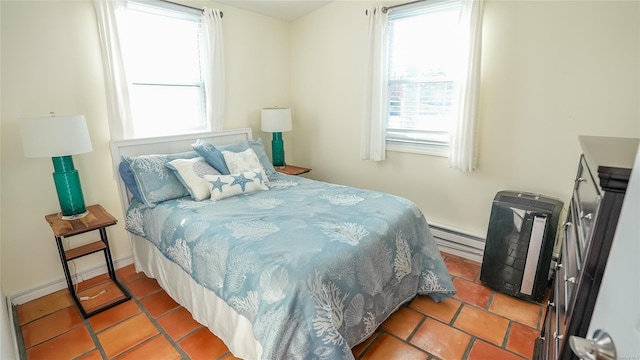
x=316, y=267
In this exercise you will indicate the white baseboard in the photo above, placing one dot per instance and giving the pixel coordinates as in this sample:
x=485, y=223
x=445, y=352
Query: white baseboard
x=40, y=291
x=457, y=242
x=14, y=354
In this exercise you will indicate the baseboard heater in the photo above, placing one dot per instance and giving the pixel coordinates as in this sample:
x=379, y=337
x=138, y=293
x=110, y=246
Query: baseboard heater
x=520, y=242
x=457, y=242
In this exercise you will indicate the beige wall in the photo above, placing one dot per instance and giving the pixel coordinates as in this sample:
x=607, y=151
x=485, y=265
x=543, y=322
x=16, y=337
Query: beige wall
x=551, y=70
x=51, y=61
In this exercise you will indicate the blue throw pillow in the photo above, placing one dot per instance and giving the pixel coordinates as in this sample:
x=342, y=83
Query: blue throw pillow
x=154, y=180
x=129, y=180
x=211, y=155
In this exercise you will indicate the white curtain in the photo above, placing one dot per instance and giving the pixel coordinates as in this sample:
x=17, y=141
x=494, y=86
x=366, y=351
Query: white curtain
x=372, y=146
x=463, y=143
x=213, y=54
x=118, y=105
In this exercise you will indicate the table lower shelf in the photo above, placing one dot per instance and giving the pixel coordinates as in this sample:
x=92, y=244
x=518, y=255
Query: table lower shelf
x=84, y=250
x=100, y=297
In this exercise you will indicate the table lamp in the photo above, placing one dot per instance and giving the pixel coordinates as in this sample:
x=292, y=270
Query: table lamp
x=59, y=137
x=276, y=120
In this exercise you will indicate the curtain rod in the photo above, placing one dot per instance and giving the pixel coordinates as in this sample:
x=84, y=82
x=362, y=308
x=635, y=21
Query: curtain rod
x=387, y=8
x=190, y=7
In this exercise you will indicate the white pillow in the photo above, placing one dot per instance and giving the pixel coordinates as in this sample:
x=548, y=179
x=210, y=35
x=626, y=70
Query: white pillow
x=191, y=174
x=239, y=162
x=222, y=186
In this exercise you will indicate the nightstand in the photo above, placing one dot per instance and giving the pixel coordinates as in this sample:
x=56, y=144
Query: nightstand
x=97, y=297
x=292, y=170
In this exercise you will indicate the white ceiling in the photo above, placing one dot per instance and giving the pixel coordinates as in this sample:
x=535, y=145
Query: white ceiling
x=288, y=10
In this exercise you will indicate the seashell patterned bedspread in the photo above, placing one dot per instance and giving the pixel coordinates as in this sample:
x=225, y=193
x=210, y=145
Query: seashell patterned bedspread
x=315, y=267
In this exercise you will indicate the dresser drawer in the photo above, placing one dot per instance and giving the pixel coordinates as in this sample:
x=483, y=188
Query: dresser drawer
x=560, y=299
x=558, y=320
x=572, y=250
x=578, y=228
x=570, y=273
x=550, y=347
x=586, y=200
x=564, y=284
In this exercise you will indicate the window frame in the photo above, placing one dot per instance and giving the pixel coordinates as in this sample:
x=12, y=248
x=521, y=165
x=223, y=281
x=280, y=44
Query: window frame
x=424, y=142
x=176, y=11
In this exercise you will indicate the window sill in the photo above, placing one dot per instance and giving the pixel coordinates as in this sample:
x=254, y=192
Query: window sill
x=417, y=149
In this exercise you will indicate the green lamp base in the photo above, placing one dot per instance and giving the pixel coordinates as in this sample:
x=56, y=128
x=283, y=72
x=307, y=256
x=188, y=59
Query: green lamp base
x=68, y=187
x=277, y=150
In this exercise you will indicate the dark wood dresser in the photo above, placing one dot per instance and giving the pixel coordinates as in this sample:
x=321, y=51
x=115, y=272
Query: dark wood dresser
x=599, y=189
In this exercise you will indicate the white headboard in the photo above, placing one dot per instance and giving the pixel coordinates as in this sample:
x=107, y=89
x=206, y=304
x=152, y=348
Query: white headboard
x=167, y=145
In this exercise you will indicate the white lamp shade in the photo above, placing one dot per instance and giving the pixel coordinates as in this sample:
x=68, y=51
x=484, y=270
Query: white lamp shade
x=54, y=136
x=276, y=120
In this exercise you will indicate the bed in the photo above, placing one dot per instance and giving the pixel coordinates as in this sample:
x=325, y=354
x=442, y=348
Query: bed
x=287, y=268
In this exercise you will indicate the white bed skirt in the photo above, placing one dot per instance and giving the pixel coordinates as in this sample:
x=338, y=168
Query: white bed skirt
x=205, y=306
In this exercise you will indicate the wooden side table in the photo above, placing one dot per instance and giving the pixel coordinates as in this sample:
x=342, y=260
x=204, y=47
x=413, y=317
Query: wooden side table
x=97, y=297
x=292, y=170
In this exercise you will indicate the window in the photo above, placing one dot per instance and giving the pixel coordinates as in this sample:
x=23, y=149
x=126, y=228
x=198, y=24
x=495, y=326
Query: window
x=422, y=52
x=162, y=59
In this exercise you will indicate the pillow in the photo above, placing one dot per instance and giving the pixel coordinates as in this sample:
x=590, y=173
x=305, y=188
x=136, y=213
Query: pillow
x=212, y=155
x=154, y=180
x=239, y=162
x=258, y=147
x=126, y=174
x=223, y=186
x=191, y=174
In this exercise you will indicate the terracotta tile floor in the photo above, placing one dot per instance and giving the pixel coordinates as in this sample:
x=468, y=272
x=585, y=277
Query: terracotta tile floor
x=477, y=323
